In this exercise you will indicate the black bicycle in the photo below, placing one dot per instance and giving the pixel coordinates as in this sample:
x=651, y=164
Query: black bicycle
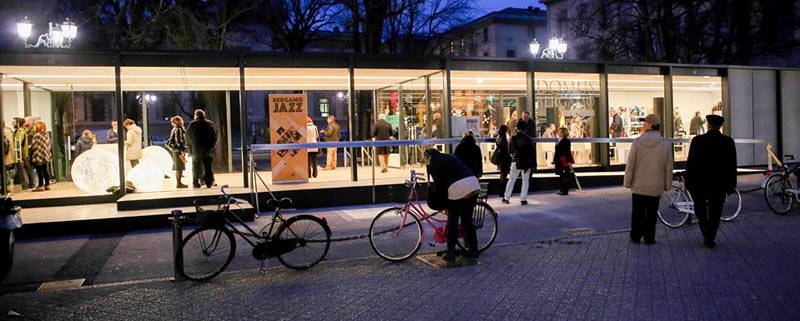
x=299, y=242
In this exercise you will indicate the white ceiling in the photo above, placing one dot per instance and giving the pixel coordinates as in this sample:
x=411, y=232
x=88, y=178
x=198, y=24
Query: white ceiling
x=204, y=79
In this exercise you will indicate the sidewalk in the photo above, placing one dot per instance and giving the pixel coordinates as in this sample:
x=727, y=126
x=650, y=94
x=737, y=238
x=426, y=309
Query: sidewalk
x=753, y=274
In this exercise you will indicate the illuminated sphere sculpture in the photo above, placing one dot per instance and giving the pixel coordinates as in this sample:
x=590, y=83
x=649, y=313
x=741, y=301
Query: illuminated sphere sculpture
x=146, y=177
x=160, y=157
x=96, y=170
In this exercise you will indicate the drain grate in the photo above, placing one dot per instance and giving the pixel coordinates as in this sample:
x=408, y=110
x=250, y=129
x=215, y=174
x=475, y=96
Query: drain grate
x=439, y=263
x=579, y=231
x=60, y=285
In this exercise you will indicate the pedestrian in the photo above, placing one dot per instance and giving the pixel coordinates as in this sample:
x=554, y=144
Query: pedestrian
x=382, y=131
x=550, y=132
x=677, y=124
x=710, y=176
x=562, y=159
x=85, y=142
x=332, y=134
x=530, y=124
x=41, y=155
x=30, y=131
x=312, y=137
x=202, y=135
x=523, y=155
x=111, y=134
x=9, y=157
x=615, y=129
x=696, y=125
x=21, y=150
x=648, y=173
x=177, y=144
x=453, y=178
x=133, y=142
x=512, y=124
x=503, y=157
x=469, y=153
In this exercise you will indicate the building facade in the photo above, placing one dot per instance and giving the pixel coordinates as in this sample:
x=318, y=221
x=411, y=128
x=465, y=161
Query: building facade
x=505, y=33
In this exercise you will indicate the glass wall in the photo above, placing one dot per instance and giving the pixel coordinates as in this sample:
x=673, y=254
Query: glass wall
x=694, y=97
x=67, y=100
x=631, y=97
x=568, y=100
x=13, y=107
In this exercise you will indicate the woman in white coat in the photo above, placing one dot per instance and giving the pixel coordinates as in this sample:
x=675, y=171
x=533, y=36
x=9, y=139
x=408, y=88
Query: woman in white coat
x=133, y=142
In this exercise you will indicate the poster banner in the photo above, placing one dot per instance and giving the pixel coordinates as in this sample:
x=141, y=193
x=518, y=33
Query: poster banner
x=287, y=125
x=463, y=124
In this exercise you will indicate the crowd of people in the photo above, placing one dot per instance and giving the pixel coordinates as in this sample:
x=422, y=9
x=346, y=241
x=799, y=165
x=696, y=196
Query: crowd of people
x=27, y=154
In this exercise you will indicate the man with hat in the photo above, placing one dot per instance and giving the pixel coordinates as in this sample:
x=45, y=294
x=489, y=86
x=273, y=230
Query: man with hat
x=648, y=173
x=711, y=175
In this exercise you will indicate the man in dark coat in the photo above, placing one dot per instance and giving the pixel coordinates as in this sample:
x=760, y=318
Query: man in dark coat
x=382, y=131
x=530, y=124
x=202, y=135
x=710, y=176
x=470, y=154
x=452, y=177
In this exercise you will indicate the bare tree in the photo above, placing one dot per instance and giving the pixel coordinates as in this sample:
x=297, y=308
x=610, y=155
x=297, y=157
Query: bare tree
x=205, y=24
x=296, y=23
x=684, y=31
x=419, y=23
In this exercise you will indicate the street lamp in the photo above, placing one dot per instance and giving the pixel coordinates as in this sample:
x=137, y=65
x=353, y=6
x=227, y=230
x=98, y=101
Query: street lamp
x=57, y=36
x=556, y=48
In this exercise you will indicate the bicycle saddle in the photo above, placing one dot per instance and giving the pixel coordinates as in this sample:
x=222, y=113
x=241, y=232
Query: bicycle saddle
x=280, y=204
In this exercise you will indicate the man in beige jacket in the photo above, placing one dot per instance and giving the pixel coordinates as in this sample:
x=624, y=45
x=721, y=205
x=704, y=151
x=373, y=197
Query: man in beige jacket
x=648, y=173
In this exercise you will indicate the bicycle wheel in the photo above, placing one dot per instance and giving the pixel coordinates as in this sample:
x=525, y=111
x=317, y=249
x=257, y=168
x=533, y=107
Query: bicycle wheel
x=732, y=206
x=778, y=198
x=395, y=235
x=674, y=207
x=310, y=238
x=485, y=219
x=205, y=253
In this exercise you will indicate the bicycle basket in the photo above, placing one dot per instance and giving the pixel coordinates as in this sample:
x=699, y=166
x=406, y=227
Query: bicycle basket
x=208, y=213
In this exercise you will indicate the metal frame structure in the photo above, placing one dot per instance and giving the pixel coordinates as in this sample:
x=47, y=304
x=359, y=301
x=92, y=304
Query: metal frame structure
x=445, y=65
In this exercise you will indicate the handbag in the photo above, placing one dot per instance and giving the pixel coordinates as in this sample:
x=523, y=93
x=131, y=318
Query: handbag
x=494, y=156
x=437, y=200
x=182, y=157
x=564, y=161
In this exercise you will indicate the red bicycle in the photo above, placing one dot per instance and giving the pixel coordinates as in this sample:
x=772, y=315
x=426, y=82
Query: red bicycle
x=397, y=233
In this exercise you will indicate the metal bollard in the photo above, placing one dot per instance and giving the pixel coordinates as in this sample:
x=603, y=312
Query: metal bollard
x=177, y=239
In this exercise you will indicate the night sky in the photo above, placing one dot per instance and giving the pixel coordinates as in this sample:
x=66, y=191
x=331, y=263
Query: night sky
x=486, y=6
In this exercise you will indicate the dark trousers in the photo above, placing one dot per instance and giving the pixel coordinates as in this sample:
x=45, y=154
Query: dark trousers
x=708, y=209
x=564, y=182
x=461, y=210
x=201, y=167
x=312, y=164
x=44, y=175
x=503, y=181
x=643, y=217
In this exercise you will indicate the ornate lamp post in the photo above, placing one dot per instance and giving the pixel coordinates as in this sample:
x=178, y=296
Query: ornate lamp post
x=57, y=36
x=556, y=48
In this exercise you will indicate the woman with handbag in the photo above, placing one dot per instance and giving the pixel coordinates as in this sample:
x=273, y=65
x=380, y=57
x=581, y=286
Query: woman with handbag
x=177, y=144
x=503, y=156
x=563, y=160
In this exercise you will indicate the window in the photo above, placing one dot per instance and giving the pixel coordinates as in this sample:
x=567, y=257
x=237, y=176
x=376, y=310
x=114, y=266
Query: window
x=324, y=107
x=511, y=53
x=485, y=34
x=452, y=47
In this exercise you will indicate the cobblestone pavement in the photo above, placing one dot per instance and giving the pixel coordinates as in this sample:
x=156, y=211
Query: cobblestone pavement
x=753, y=274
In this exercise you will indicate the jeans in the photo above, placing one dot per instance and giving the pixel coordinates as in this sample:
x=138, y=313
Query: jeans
x=526, y=176
x=44, y=175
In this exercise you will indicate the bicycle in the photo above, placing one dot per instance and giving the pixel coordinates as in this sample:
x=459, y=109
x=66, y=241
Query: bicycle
x=299, y=242
x=396, y=233
x=778, y=190
x=677, y=206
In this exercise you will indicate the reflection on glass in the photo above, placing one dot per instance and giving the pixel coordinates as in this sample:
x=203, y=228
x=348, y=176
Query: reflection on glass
x=571, y=101
x=631, y=97
x=694, y=98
